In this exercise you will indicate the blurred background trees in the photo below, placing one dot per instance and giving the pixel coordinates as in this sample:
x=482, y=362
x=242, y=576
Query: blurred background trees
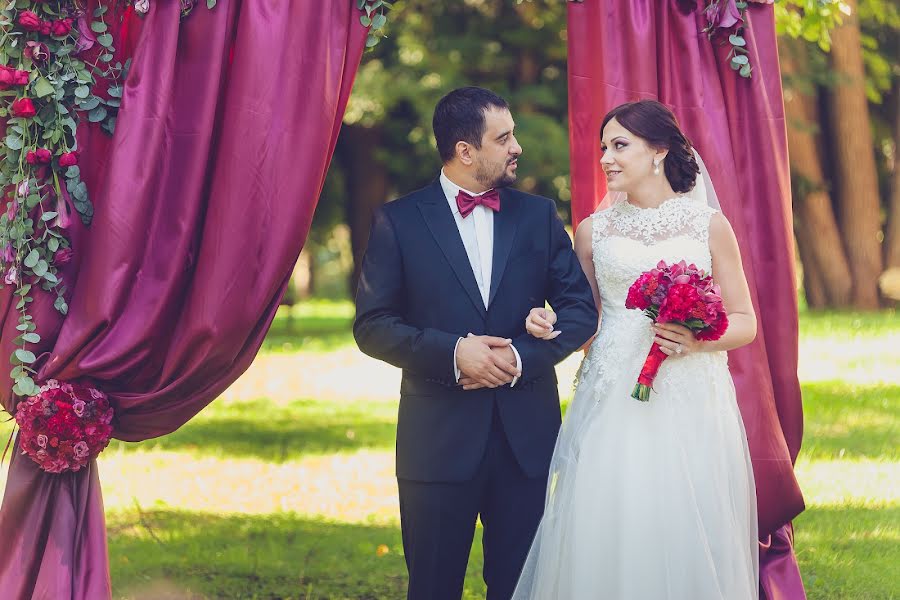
x=842, y=99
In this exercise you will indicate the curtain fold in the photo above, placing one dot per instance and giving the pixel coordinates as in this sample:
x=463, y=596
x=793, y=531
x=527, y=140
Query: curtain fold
x=203, y=201
x=624, y=51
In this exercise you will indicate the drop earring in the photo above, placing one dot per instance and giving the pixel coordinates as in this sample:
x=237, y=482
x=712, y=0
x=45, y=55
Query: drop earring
x=656, y=167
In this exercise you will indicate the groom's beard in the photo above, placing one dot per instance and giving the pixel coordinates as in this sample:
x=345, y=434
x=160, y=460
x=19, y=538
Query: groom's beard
x=493, y=176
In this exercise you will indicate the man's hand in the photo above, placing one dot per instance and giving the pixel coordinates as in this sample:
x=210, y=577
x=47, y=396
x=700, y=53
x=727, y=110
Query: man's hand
x=485, y=361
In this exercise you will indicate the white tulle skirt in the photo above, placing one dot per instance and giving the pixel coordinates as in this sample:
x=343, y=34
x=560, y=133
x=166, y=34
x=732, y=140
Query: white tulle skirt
x=648, y=500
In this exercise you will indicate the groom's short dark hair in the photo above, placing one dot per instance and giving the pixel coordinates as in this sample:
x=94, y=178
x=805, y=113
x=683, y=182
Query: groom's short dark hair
x=459, y=116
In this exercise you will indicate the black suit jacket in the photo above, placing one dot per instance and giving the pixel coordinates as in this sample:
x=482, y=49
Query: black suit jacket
x=417, y=296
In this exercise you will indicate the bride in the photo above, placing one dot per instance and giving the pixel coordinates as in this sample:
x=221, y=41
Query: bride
x=650, y=500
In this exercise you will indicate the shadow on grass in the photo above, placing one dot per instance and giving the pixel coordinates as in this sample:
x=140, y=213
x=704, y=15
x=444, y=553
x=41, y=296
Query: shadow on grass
x=311, y=325
x=847, y=552
x=849, y=421
x=277, y=433
x=198, y=555
x=276, y=556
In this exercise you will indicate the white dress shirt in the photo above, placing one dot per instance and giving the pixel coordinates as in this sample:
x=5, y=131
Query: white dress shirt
x=477, y=233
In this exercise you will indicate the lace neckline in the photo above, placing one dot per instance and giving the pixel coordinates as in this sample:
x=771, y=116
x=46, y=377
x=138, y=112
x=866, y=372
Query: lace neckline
x=628, y=208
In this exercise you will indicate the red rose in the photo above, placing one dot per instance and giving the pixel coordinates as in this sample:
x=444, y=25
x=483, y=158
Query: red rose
x=31, y=157
x=61, y=28
x=36, y=51
x=46, y=26
x=23, y=107
x=69, y=159
x=44, y=155
x=10, y=77
x=29, y=21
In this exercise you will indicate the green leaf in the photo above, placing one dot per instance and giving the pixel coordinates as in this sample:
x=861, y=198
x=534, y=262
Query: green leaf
x=17, y=371
x=737, y=40
x=99, y=26
x=61, y=305
x=40, y=269
x=740, y=59
x=105, y=40
x=115, y=91
x=97, y=115
x=31, y=338
x=90, y=103
x=49, y=215
x=23, y=291
x=745, y=71
x=53, y=244
x=51, y=278
x=371, y=41
x=106, y=57
x=22, y=327
x=41, y=87
x=100, y=11
x=32, y=259
x=210, y=4
x=73, y=171
x=365, y=20
x=82, y=91
x=25, y=356
x=379, y=21
x=13, y=142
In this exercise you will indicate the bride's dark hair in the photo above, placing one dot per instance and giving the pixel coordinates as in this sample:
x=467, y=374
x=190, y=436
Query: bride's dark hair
x=656, y=124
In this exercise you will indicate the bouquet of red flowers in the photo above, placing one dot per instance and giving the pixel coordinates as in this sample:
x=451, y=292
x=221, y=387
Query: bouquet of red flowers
x=64, y=426
x=681, y=294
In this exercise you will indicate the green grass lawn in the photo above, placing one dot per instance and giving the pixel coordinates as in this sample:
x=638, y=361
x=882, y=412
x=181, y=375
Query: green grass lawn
x=284, y=487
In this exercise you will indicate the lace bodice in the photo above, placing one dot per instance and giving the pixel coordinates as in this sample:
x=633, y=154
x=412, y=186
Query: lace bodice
x=626, y=241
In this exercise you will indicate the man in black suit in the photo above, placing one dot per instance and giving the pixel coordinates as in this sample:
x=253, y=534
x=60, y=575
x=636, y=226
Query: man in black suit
x=448, y=279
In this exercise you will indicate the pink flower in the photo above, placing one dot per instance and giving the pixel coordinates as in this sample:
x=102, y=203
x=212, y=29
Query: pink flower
x=12, y=276
x=41, y=155
x=37, y=51
x=142, y=6
x=9, y=254
x=723, y=14
x=62, y=256
x=42, y=440
x=23, y=188
x=86, y=37
x=11, y=209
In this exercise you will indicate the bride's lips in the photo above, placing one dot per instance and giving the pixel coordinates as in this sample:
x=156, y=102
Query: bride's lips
x=612, y=174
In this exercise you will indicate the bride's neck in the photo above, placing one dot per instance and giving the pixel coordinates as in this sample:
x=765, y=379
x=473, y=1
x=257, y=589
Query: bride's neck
x=653, y=193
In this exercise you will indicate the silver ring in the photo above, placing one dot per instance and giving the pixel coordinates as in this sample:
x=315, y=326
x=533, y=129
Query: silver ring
x=679, y=349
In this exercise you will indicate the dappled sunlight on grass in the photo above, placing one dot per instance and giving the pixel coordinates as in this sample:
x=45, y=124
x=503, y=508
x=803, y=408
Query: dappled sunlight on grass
x=281, y=431
x=358, y=487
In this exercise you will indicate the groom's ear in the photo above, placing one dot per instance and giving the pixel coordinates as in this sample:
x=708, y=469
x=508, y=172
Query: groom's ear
x=464, y=153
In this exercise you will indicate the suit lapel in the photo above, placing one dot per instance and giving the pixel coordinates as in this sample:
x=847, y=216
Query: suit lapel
x=505, y=224
x=442, y=225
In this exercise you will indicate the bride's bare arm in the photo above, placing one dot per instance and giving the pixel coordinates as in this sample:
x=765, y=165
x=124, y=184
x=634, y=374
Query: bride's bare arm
x=728, y=272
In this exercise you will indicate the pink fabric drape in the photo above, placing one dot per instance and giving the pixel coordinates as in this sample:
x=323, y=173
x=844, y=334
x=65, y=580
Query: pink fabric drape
x=624, y=51
x=203, y=200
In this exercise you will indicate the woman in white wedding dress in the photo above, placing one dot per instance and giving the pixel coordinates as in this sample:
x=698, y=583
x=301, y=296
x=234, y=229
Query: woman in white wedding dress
x=650, y=500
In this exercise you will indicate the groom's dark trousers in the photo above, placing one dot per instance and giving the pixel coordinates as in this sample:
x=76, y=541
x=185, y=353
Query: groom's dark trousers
x=464, y=454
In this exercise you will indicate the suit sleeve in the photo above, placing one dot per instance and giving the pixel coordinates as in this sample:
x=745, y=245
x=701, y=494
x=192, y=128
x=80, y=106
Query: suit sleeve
x=380, y=328
x=569, y=294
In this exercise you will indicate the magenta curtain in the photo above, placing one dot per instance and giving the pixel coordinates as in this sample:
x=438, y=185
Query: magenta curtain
x=624, y=51
x=203, y=200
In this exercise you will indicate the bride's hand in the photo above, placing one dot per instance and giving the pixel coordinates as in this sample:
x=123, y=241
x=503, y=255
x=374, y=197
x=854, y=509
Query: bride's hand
x=676, y=339
x=540, y=323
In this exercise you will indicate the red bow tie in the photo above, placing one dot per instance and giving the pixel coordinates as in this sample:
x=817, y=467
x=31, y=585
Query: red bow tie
x=467, y=203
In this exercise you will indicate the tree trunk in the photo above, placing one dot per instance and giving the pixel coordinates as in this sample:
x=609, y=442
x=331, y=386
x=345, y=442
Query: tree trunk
x=826, y=274
x=367, y=187
x=892, y=229
x=857, y=189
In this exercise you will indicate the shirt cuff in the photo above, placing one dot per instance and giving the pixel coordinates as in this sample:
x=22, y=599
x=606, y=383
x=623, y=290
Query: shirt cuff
x=455, y=368
x=518, y=365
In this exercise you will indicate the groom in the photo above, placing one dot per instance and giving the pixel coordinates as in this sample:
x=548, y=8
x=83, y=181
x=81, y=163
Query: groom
x=449, y=276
